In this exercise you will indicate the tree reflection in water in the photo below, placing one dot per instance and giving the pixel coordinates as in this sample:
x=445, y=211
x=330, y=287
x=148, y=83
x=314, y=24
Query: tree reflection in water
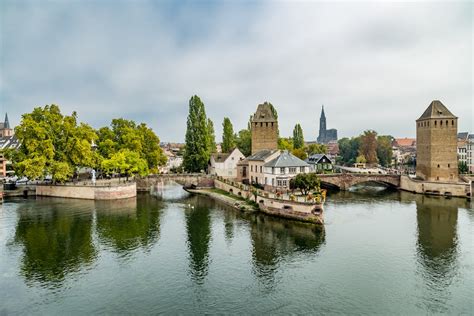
x=437, y=246
x=198, y=228
x=275, y=239
x=56, y=238
x=129, y=224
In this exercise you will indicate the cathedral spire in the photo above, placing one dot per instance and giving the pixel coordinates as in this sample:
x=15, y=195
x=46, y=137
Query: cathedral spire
x=7, y=123
x=322, y=112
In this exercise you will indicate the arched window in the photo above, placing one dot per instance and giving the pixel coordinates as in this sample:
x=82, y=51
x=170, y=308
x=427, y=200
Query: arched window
x=440, y=123
x=436, y=123
x=447, y=123
x=261, y=124
x=452, y=122
x=438, y=166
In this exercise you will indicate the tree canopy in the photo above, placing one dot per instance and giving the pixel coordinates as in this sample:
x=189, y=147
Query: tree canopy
x=198, y=140
x=305, y=182
x=228, y=137
x=52, y=144
x=298, y=139
x=368, y=147
x=125, y=135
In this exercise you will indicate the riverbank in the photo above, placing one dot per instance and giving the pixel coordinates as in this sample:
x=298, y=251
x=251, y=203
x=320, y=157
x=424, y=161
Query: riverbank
x=241, y=204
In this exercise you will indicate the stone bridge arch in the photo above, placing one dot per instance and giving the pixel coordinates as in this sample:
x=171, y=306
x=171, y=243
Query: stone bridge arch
x=344, y=181
x=185, y=179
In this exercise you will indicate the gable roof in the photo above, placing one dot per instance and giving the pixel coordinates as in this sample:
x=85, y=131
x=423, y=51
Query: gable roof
x=436, y=110
x=9, y=142
x=314, y=159
x=261, y=155
x=220, y=157
x=286, y=159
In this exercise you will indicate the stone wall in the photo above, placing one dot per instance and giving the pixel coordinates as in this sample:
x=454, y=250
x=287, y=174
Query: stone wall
x=198, y=180
x=113, y=192
x=267, y=201
x=437, y=188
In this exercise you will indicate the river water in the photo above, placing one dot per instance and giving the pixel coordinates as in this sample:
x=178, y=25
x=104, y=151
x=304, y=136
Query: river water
x=378, y=253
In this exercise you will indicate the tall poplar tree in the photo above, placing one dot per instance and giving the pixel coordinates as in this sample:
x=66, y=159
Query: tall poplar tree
x=228, y=138
x=298, y=139
x=212, y=136
x=198, y=142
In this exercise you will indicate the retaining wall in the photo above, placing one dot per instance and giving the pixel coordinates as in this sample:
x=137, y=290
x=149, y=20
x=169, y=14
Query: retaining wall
x=112, y=192
x=436, y=188
x=269, y=202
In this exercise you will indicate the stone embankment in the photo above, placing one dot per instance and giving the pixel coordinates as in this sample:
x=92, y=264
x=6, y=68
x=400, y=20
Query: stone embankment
x=307, y=211
x=99, y=191
x=457, y=189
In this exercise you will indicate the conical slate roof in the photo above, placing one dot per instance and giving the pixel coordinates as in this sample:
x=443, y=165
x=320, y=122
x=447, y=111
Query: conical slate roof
x=436, y=110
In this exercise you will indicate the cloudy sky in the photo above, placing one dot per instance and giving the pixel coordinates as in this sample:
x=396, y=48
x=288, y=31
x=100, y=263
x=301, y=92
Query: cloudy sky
x=373, y=65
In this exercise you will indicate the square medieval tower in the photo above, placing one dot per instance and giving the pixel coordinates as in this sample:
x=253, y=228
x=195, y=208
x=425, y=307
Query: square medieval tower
x=264, y=126
x=436, y=144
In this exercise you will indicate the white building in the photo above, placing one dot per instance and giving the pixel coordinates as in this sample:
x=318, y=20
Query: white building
x=279, y=171
x=470, y=153
x=256, y=162
x=225, y=165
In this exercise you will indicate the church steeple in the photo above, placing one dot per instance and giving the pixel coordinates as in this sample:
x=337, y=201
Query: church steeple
x=7, y=123
x=322, y=122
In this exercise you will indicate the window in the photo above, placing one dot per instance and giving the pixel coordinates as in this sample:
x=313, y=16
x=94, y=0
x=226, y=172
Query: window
x=266, y=180
x=448, y=165
x=266, y=124
x=447, y=123
x=440, y=123
x=261, y=124
x=301, y=169
x=251, y=168
x=452, y=122
x=273, y=170
x=436, y=123
x=292, y=170
x=261, y=169
x=438, y=166
x=282, y=170
x=279, y=183
x=284, y=183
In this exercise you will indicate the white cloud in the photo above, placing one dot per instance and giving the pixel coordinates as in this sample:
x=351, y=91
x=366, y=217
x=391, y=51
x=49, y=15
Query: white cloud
x=373, y=65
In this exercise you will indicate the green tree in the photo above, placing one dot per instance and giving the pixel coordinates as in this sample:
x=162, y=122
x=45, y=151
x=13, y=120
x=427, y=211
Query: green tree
x=52, y=144
x=361, y=159
x=126, y=134
x=228, y=140
x=384, y=150
x=348, y=150
x=298, y=139
x=244, y=142
x=197, y=141
x=300, y=153
x=285, y=143
x=126, y=162
x=313, y=149
x=212, y=136
x=305, y=182
x=368, y=146
x=463, y=168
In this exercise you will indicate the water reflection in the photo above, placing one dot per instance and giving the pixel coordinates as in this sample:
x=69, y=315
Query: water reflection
x=129, y=224
x=56, y=238
x=437, y=246
x=198, y=228
x=275, y=239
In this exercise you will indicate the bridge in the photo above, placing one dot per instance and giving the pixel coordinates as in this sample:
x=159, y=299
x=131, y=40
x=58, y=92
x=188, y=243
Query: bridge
x=184, y=179
x=343, y=181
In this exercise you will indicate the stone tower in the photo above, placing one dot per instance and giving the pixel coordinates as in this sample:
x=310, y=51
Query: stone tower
x=436, y=144
x=264, y=129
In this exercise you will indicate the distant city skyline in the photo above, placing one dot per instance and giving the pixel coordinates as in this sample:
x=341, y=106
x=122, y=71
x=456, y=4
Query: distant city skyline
x=373, y=65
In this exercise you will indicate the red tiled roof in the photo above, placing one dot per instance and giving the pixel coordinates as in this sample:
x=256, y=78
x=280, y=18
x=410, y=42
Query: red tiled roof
x=404, y=142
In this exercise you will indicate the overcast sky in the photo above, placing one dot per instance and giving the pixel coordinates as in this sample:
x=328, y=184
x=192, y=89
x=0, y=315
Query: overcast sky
x=373, y=66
